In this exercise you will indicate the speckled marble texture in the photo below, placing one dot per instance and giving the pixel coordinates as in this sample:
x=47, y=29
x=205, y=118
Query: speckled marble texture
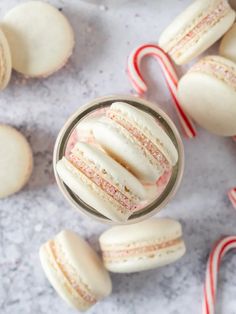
x=105, y=36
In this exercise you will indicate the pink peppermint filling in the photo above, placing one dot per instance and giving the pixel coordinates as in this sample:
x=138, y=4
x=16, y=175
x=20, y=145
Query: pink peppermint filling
x=102, y=183
x=148, y=249
x=142, y=139
x=208, y=21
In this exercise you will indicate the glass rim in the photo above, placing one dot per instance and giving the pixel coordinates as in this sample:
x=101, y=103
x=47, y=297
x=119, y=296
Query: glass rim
x=151, y=108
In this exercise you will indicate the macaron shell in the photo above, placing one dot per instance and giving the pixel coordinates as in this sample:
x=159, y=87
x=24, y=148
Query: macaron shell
x=88, y=192
x=228, y=44
x=5, y=61
x=120, y=146
x=16, y=161
x=58, y=282
x=147, y=230
x=40, y=38
x=161, y=258
x=118, y=175
x=209, y=101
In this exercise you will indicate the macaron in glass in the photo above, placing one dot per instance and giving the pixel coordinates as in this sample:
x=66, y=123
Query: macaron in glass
x=75, y=270
x=207, y=93
x=101, y=182
x=197, y=28
x=95, y=193
x=228, y=44
x=146, y=245
x=137, y=141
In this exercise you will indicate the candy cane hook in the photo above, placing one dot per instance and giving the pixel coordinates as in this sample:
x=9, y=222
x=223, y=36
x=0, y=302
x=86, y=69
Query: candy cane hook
x=170, y=75
x=213, y=266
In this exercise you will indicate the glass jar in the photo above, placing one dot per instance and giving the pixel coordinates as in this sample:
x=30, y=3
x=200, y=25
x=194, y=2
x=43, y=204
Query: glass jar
x=101, y=103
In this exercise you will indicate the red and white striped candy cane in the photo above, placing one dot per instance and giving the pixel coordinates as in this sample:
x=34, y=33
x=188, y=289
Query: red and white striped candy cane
x=232, y=196
x=170, y=75
x=213, y=266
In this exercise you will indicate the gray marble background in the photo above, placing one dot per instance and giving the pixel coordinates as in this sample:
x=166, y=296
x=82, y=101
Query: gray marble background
x=105, y=35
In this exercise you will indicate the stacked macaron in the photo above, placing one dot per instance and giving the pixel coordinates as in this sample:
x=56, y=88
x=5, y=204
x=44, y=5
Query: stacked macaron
x=36, y=40
x=196, y=29
x=129, y=150
x=80, y=277
x=137, y=141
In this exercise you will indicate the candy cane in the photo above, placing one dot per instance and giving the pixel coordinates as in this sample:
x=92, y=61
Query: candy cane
x=213, y=266
x=170, y=75
x=232, y=196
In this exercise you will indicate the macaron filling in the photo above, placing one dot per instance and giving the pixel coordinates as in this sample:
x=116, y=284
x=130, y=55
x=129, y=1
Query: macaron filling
x=73, y=279
x=141, y=138
x=195, y=34
x=97, y=178
x=149, y=251
x=217, y=69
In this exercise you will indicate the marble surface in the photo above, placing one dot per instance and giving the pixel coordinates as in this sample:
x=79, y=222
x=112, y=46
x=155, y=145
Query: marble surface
x=105, y=35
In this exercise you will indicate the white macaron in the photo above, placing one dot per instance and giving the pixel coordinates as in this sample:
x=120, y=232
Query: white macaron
x=101, y=182
x=208, y=94
x=196, y=29
x=75, y=270
x=16, y=161
x=142, y=246
x=40, y=38
x=136, y=140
